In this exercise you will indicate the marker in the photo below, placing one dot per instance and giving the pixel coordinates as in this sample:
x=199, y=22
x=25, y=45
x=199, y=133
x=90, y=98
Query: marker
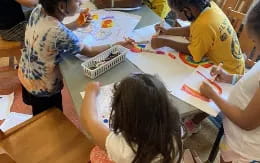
x=218, y=68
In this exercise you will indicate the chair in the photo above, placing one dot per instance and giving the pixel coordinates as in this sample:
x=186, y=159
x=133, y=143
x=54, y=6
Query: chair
x=247, y=45
x=46, y=138
x=236, y=18
x=10, y=49
x=9, y=81
x=237, y=5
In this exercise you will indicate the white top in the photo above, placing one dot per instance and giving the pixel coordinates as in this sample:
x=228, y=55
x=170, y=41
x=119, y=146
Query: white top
x=246, y=143
x=119, y=151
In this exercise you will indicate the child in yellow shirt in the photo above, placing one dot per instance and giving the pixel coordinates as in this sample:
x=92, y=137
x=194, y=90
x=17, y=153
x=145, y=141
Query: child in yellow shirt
x=211, y=34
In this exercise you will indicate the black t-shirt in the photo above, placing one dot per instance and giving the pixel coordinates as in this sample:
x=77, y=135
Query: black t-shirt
x=11, y=14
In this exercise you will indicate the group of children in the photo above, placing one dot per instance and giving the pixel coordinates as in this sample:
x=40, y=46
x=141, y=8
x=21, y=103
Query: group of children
x=144, y=125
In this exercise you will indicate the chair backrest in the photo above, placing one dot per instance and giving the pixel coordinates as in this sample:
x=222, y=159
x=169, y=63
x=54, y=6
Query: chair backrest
x=10, y=49
x=247, y=45
x=48, y=137
x=236, y=18
x=237, y=5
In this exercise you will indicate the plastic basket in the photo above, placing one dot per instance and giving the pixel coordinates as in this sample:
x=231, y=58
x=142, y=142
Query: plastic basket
x=107, y=65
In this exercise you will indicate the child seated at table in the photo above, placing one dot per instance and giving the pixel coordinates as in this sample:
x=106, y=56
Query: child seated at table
x=241, y=142
x=47, y=40
x=211, y=35
x=145, y=127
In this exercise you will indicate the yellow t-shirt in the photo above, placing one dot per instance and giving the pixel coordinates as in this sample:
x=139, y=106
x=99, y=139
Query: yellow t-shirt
x=160, y=7
x=212, y=35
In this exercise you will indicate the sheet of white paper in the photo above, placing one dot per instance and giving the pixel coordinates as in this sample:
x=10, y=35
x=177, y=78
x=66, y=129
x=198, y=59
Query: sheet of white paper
x=175, y=38
x=104, y=101
x=6, y=102
x=194, y=81
x=170, y=71
x=14, y=119
x=122, y=9
x=143, y=34
x=95, y=34
x=183, y=23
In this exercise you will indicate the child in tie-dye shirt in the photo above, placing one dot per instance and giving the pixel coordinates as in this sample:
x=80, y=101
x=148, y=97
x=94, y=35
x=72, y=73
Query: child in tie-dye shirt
x=47, y=40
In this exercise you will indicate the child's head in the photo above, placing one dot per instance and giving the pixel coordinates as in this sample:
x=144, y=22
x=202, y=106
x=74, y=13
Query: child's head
x=143, y=113
x=253, y=24
x=61, y=7
x=187, y=9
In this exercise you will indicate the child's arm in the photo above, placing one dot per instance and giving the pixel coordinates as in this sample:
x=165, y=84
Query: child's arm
x=222, y=76
x=88, y=116
x=28, y=3
x=179, y=31
x=72, y=26
x=247, y=119
x=178, y=46
x=176, y=31
x=93, y=51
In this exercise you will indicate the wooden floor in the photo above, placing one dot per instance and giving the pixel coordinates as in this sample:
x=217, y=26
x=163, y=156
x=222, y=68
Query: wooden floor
x=19, y=107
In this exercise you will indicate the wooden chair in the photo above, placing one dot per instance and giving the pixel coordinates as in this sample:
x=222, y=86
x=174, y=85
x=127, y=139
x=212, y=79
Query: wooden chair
x=237, y=5
x=236, y=18
x=246, y=44
x=9, y=81
x=46, y=138
x=10, y=49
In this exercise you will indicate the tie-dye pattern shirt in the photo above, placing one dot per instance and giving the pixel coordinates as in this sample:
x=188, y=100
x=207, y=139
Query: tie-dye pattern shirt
x=46, y=41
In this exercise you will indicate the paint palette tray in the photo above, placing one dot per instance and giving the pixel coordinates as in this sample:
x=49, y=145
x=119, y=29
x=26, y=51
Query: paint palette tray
x=104, y=61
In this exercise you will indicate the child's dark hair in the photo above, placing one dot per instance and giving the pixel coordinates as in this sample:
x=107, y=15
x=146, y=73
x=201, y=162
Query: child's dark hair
x=253, y=18
x=143, y=114
x=50, y=6
x=180, y=4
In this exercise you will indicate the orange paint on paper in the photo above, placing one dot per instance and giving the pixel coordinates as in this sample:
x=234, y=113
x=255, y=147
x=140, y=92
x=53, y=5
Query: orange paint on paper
x=211, y=82
x=194, y=93
x=108, y=23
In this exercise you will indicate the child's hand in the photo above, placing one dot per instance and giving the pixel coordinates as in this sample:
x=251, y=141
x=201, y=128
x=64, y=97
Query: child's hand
x=222, y=76
x=92, y=87
x=129, y=43
x=158, y=42
x=162, y=30
x=84, y=18
x=207, y=91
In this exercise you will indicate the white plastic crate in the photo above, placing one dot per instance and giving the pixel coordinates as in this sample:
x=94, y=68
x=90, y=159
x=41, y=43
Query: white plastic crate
x=105, y=66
